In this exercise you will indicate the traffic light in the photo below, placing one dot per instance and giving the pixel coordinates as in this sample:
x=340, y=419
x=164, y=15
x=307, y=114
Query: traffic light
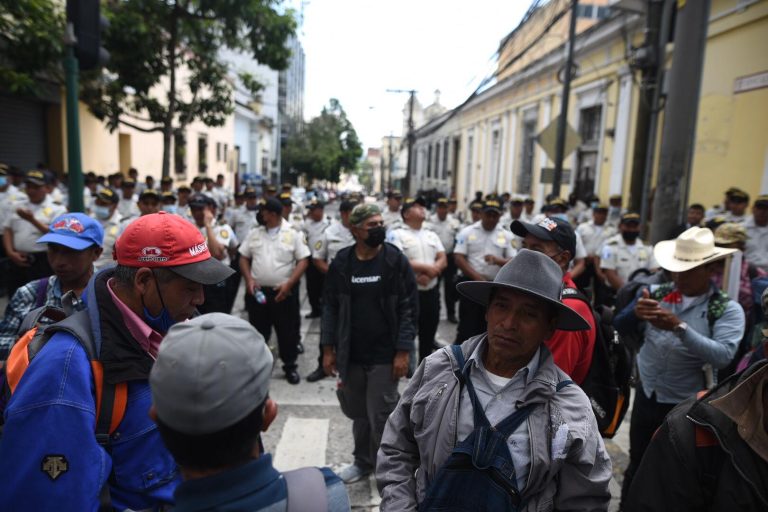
x=88, y=24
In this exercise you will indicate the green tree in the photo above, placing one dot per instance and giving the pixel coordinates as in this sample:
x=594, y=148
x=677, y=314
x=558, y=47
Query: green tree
x=166, y=68
x=327, y=146
x=31, y=47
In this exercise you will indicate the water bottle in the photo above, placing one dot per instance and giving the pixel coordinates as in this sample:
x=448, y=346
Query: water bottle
x=259, y=296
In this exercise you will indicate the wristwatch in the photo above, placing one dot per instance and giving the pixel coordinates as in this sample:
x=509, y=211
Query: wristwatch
x=680, y=328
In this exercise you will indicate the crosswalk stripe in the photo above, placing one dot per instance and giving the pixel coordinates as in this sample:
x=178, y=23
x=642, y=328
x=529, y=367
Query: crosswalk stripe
x=302, y=443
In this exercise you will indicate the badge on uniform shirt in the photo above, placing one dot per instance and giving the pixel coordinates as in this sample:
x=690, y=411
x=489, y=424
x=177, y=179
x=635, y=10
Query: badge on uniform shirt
x=224, y=233
x=54, y=466
x=287, y=237
x=472, y=238
x=47, y=211
x=318, y=245
x=113, y=230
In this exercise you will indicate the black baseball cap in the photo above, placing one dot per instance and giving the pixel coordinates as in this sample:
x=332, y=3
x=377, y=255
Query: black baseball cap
x=554, y=229
x=201, y=201
x=413, y=201
x=272, y=204
x=492, y=205
x=347, y=206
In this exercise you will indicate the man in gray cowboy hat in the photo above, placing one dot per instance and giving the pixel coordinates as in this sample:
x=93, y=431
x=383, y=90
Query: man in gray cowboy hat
x=548, y=453
x=688, y=325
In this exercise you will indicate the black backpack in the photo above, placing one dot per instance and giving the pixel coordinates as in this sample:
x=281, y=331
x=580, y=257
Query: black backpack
x=607, y=382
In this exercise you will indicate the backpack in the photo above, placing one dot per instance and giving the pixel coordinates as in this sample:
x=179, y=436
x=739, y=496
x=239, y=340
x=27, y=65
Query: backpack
x=111, y=399
x=479, y=474
x=607, y=382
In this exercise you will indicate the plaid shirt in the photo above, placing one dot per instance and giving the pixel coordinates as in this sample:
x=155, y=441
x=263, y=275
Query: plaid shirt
x=22, y=302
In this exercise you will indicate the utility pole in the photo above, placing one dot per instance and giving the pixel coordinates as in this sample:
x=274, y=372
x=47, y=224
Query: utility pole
x=74, y=163
x=563, y=121
x=390, y=164
x=410, y=138
x=680, y=116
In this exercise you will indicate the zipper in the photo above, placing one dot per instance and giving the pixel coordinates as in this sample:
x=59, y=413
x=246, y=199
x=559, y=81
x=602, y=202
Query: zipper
x=730, y=454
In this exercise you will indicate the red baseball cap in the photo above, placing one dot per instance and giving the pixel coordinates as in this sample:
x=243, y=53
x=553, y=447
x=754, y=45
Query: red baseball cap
x=164, y=240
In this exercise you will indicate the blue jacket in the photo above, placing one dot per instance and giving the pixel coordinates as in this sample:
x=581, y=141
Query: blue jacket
x=49, y=457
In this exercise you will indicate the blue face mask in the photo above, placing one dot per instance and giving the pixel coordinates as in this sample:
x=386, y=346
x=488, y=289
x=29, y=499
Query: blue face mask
x=3, y=181
x=561, y=216
x=102, y=212
x=169, y=208
x=163, y=321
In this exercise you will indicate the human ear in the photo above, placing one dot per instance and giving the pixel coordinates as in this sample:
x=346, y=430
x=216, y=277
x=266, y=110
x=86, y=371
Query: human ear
x=270, y=413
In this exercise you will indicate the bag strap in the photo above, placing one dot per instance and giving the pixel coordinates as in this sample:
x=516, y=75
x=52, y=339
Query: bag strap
x=306, y=490
x=41, y=291
x=459, y=355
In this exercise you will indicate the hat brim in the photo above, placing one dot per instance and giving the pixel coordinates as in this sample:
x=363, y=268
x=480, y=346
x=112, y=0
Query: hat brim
x=521, y=229
x=34, y=181
x=78, y=244
x=210, y=271
x=664, y=253
x=480, y=291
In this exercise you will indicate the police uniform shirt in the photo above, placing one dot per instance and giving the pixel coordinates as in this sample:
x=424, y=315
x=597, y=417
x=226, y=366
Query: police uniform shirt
x=242, y=220
x=334, y=238
x=314, y=230
x=475, y=243
x=419, y=245
x=274, y=253
x=445, y=229
x=25, y=234
x=392, y=220
x=184, y=212
x=594, y=236
x=9, y=201
x=756, y=251
x=225, y=235
x=128, y=207
x=738, y=219
x=111, y=231
x=625, y=259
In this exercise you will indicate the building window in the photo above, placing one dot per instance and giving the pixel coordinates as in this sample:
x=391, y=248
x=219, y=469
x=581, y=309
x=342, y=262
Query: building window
x=525, y=178
x=589, y=124
x=218, y=151
x=226, y=150
x=437, y=160
x=429, y=161
x=179, y=152
x=202, y=154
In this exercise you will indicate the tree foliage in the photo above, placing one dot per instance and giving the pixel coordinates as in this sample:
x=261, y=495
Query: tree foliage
x=326, y=147
x=165, y=67
x=31, y=47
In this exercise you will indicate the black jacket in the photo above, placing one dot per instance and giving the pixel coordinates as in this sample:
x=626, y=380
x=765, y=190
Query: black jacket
x=399, y=300
x=698, y=461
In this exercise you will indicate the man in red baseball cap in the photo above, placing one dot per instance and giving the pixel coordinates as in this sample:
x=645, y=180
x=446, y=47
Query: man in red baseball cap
x=49, y=442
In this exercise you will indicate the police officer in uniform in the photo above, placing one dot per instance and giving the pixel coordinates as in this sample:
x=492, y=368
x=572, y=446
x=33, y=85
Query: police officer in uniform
x=594, y=233
x=273, y=259
x=314, y=226
x=447, y=227
x=182, y=203
x=105, y=212
x=334, y=238
x=391, y=215
x=29, y=220
x=222, y=242
x=625, y=253
x=244, y=218
x=127, y=205
x=426, y=254
x=481, y=250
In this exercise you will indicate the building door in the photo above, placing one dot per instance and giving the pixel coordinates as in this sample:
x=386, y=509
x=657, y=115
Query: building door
x=590, y=120
x=125, y=152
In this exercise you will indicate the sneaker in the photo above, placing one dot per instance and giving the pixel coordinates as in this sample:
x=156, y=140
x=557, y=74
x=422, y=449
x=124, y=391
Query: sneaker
x=353, y=473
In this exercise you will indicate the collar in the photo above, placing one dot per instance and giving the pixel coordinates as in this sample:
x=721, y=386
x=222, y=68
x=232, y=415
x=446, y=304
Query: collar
x=526, y=372
x=145, y=336
x=212, y=491
x=744, y=406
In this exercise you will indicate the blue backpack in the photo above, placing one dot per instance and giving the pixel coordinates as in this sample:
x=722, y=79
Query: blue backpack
x=479, y=474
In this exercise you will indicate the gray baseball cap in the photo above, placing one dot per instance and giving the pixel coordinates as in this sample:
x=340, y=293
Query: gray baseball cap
x=211, y=372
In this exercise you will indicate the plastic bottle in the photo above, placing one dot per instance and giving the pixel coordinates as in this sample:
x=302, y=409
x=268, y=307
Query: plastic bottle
x=260, y=297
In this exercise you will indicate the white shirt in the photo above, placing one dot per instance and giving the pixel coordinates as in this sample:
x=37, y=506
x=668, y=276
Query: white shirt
x=475, y=243
x=25, y=234
x=274, y=256
x=128, y=207
x=334, y=238
x=445, y=229
x=8, y=201
x=594, y=236
x=757, y=244
x=225, y=235
x=418, y=245
x=111, y=231
x=625, y=259
x=392, y=220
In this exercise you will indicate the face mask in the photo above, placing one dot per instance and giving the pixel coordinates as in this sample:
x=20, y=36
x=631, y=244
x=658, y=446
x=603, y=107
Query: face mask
x=630, y=236
x=3, y=181
x=170, y=208
x=252, y=208
x=594, y=204
x=376, y=236
x=102, y=212
x=561, y=216
x=614, y=210
x=163, y=321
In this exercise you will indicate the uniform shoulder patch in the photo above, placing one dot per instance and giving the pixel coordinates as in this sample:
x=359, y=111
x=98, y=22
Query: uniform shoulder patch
x=54, y=466
x=318, y=245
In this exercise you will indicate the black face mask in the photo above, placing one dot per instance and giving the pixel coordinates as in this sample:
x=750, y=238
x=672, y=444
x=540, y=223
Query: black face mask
x=630, y=236
x=376, y=236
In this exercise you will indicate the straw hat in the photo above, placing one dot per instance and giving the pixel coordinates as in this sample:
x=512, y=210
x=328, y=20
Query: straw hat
x=693, y=248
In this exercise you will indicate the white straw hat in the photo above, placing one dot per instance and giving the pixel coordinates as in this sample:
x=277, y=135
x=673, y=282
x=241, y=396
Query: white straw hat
x=693, y=248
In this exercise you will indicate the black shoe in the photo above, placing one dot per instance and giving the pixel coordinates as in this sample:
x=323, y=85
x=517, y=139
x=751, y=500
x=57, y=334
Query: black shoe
x=300, y=348
x=316, y=375
x=452, y=319
x=312, y=314
x=292, y=376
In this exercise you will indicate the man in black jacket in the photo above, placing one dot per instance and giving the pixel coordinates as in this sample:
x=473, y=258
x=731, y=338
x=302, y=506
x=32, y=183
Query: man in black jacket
x=711, y=452
x=368, y=330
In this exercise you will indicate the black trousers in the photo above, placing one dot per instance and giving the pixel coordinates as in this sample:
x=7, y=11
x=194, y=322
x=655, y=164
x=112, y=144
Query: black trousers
x=471, y=320
x=647, y=416
x=233, y=283
x=215, y=299
x=19, y=276
x=429, y=317
x=448, y=278
x=282, y=316
x=315, y=283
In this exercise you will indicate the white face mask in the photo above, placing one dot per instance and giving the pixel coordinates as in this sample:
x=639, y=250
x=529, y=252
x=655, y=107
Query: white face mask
x=102, y=212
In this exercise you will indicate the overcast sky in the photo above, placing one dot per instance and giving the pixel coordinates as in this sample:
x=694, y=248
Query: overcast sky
x=357, y=49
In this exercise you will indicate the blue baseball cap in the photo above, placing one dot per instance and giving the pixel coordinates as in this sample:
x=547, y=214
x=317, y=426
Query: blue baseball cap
x=74, y=230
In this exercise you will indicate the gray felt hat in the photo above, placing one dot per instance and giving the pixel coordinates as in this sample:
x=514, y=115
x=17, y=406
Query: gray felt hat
x=211, y=372
x=532, y=273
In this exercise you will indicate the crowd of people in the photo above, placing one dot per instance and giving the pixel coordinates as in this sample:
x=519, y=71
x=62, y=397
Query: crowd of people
x=129, y=384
